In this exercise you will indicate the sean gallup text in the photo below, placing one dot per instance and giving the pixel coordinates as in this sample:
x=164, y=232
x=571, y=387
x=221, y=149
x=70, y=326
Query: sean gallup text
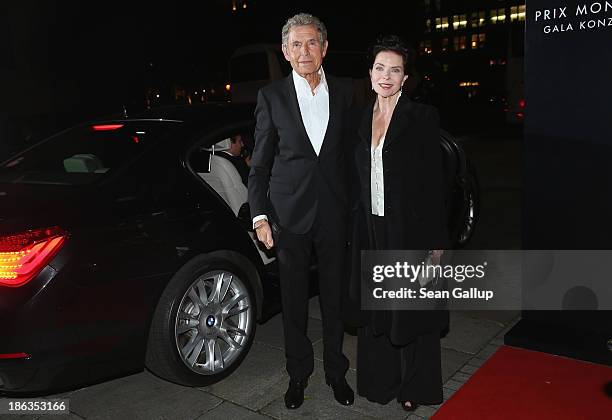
x=423, y=293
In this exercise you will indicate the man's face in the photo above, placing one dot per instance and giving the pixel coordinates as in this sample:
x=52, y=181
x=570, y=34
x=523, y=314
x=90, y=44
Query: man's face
x=236, y=146
x=304, y=50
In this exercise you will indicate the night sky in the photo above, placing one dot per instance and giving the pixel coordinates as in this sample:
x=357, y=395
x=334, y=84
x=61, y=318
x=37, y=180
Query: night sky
x=191, y=41
x=79, y=60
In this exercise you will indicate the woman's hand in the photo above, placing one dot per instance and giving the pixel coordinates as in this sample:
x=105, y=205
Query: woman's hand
x=436, y=255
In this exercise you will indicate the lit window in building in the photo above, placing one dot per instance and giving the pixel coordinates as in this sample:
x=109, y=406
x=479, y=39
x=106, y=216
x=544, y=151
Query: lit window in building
x=462, y=42
x=459, y=22
x=517, y=13
x=444, y=44
x=498, y=15
x=442, y=24
x=456, y=43
x=477, y=41
x=428, y=25
x=462, y=21
x=478, y=19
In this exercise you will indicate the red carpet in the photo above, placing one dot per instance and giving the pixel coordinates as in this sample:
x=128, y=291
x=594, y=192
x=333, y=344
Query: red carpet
x=524, y=384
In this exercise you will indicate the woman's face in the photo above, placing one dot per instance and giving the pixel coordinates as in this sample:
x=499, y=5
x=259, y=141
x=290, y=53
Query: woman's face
x=387, y=73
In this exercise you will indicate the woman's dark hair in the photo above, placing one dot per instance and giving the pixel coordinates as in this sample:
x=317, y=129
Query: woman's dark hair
x=397, y=45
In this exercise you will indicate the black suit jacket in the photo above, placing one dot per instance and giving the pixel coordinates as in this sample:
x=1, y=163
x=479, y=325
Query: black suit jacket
x=413, y=179
x=288, y=182
x=415, y=212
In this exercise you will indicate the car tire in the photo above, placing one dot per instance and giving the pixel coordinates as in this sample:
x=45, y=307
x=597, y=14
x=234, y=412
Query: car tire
x=204, y=323
x=469, y=207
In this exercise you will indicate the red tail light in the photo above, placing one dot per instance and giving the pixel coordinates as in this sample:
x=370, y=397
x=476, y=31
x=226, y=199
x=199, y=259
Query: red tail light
x=24, y=255
x=106, y=127
x=14, y=356
x=522, y=103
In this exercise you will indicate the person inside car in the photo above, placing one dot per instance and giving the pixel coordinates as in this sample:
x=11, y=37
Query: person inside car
x=236, y=155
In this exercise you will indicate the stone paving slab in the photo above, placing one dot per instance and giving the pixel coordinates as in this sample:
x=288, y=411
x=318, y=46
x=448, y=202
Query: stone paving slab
x=314, y=309
x=228, y=410
x=141, y=396
x=501, y=317
x=469, y=334
x=260, y=379
x=452, y=361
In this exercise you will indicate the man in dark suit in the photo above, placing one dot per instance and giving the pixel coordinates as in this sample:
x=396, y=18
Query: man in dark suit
x=234, y=155
x=298, y=198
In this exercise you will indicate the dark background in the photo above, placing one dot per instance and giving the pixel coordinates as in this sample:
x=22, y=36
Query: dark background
x=63, y=62
x=567, y=173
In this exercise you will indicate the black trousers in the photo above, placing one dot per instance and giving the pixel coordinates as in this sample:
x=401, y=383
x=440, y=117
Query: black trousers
x=327, y=239
x=407, y=373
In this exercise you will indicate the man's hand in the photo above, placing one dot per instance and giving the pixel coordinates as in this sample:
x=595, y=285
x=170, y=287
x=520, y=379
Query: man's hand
x=264, y=233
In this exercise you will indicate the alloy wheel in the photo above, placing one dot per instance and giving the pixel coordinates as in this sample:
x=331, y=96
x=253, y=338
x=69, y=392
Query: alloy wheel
x=214, y=322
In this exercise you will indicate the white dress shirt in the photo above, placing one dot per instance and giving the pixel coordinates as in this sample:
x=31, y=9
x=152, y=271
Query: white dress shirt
x=314, y=109
x=377, y=180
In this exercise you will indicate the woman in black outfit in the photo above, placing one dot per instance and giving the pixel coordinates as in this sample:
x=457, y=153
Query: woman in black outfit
x=398, y=159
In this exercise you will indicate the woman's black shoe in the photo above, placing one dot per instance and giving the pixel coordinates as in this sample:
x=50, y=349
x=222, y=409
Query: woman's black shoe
x=412, y=406
x=294, y=397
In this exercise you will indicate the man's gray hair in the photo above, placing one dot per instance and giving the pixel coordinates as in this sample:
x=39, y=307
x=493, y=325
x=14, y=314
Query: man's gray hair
x=302, y=19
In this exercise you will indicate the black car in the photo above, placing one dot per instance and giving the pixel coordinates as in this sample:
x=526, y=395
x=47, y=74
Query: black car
x=127, y=243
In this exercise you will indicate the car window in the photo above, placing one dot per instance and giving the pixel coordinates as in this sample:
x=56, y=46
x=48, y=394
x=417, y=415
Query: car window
x=83, y=154
x=249, y=67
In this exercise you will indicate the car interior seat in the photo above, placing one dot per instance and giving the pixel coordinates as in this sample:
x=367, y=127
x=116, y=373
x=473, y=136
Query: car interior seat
x=224, y=178
x=84, y=163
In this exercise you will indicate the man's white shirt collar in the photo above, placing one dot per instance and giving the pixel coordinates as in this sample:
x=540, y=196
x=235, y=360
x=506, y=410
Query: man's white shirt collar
x=302, y=88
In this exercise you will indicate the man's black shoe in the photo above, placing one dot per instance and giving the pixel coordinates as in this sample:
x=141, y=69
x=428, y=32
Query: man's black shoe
x=294, y=397
x=342, y=391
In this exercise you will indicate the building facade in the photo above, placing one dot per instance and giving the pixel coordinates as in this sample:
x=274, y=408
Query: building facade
x=471, y=54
